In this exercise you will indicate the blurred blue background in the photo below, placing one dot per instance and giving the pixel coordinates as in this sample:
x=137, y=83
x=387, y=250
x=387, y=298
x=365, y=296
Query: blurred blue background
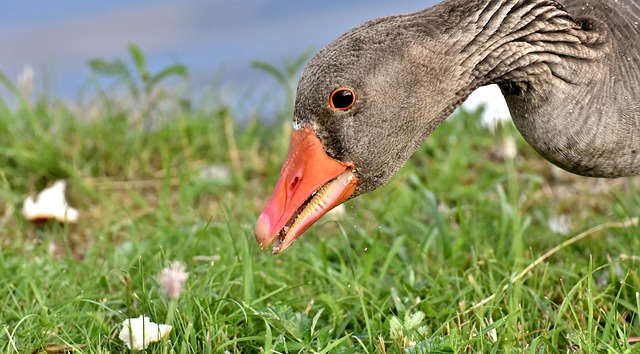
x=216, y=40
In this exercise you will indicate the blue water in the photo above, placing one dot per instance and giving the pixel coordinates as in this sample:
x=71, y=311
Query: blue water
x=216, y=40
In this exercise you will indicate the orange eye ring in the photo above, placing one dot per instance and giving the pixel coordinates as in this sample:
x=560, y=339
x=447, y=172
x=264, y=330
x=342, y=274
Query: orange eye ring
x=342, y=98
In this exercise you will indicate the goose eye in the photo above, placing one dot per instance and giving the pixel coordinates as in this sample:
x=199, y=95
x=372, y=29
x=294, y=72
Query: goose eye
x=342, y=99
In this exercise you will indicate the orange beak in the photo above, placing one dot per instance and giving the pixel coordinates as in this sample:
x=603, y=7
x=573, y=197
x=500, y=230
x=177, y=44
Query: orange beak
x=311, y=183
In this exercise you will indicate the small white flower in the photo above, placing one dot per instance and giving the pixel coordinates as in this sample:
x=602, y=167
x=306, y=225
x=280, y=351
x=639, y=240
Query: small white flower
x=172, y=279
x=138, y=333
x=50, y=204
x=560, y=224
x=336, y=213
x=505, y=149
x=26, y=82
x=216, y=173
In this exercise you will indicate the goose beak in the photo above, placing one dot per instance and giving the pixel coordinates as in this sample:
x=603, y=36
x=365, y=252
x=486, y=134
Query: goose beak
x=311, y=183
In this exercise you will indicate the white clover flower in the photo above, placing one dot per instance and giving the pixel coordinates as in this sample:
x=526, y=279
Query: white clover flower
x=172, y=279
x=50, y=204
x=138, y=333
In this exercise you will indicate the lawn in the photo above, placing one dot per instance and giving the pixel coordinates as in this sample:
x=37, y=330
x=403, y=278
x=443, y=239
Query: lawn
x=448, y=257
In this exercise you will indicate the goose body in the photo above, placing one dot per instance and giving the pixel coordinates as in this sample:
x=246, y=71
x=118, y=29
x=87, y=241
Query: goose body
x=569, y=71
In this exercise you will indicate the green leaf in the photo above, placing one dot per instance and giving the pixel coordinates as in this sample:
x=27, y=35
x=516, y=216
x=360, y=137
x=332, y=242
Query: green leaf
x=298, y=63
x=139, y=61
x=273, y=71
x=116, y=68
x=413, y=320
x=173, y=70
x=6, y=82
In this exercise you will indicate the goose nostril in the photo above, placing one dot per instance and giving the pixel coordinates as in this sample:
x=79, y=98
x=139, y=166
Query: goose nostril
x=294, y=183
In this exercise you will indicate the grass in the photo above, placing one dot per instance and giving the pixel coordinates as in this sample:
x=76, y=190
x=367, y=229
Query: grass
x=399, y=272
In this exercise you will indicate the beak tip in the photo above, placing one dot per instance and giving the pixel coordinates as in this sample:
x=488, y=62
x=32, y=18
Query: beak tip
x=262, y=231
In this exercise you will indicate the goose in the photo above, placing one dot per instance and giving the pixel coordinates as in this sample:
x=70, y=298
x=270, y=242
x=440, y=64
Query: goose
x=569, y=71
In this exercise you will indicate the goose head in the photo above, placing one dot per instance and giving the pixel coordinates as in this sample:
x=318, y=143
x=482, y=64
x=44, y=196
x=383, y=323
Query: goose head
x=364, y=104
